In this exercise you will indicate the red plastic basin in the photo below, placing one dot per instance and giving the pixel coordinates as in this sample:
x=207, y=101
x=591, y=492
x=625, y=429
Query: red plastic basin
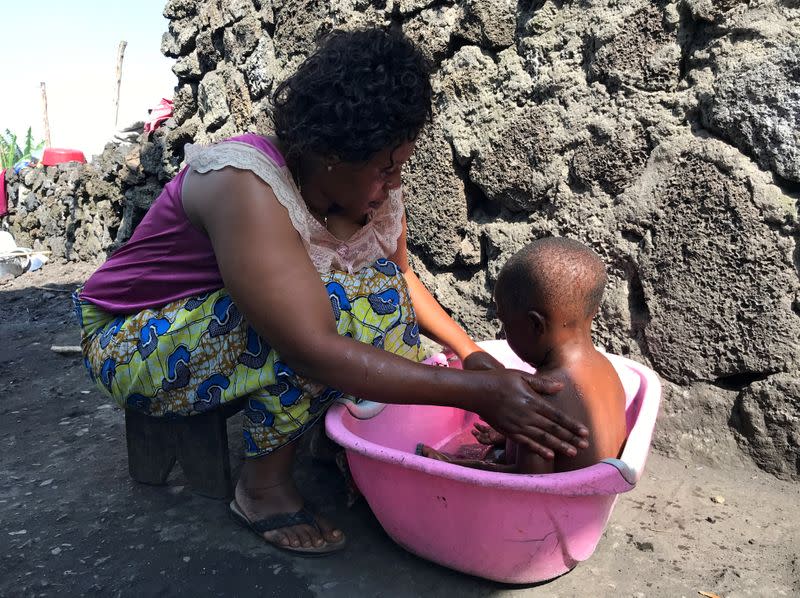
x=57, y=155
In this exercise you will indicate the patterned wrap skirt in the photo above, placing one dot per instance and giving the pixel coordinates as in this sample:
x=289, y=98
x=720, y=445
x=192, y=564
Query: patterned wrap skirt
x=193, y=355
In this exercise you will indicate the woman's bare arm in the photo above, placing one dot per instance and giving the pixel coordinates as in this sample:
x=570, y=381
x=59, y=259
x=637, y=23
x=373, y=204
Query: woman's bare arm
x=433, y=320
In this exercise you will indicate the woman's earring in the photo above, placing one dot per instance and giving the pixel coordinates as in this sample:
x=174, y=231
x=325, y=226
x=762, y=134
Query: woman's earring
x=330, y=167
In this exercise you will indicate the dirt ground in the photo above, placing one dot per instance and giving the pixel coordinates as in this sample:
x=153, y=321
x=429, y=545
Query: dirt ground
x=72, y=523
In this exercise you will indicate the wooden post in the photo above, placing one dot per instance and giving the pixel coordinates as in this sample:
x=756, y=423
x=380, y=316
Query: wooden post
x=47, y=139
x=120, y=55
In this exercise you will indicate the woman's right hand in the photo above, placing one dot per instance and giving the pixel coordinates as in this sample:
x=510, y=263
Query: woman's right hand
x=515, y=406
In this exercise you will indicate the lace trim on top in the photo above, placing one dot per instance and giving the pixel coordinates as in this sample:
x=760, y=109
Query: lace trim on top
x=376, y=239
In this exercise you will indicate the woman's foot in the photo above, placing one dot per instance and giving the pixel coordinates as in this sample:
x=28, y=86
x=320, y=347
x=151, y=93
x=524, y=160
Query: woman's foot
x=266, y=489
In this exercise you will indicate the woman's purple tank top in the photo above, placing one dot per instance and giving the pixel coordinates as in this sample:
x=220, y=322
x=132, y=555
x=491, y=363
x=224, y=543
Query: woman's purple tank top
x=166, y=258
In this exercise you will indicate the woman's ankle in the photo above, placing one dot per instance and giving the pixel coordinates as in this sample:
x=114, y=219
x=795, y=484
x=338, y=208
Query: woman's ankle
x=272, y=469
x=269, y=478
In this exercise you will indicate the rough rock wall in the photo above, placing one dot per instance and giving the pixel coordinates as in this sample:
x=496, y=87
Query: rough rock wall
x=664, y=134
x=85, y=211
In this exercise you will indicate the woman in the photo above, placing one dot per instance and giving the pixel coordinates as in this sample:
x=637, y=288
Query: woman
x=277, y=269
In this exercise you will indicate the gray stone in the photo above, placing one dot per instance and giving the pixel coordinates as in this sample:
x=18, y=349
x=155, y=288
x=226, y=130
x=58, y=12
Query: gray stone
x=208, y=52
x=769, y=424
x=133, y=173
x=185, y=102
x=241, y=39
x=262, y=117
x=179, y=9
x=619, y=325
x=176, y=139
x=260, y=68
x=143, y=196
x=718, y=281
x=151, y=155
x=31, y=201
x=488, y=23
x=711, y=11
x=24, y=199
x=239, y=9
x=238, y=99
x=522, y=162
x=29, y=177
x=405, y=7
x=638, y=50
x=469, y=250
x=436, y=204
x=212, y=102
x=218, y=14
x=187, y=67
x=297, y=29
x=357, y=14
x=610, y=161
x=503, y=239
x=265, y=12
x=478, y=97
x=693, y=424
x=755, y=102
x=179, y=39
x=465, y=295
x=432, y=29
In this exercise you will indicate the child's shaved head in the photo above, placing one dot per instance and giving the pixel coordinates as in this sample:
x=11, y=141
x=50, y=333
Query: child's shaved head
x=552, y=274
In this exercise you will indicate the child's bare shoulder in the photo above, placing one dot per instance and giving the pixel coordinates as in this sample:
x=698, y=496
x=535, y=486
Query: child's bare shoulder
x=570, y=398
x=591, y=378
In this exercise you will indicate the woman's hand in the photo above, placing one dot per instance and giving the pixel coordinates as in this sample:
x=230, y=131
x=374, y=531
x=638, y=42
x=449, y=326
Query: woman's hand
x=517, y=409
x=481, y=360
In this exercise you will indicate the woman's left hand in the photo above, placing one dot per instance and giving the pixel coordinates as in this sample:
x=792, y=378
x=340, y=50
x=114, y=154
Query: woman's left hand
x=481, y=360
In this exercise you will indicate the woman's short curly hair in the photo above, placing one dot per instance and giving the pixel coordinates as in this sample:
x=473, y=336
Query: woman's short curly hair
x=360, y=92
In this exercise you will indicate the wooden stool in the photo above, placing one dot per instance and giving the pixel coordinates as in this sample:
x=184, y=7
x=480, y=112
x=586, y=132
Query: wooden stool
x=198, y=442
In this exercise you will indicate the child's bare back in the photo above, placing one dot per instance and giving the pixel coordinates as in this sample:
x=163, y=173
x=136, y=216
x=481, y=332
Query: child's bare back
x=593, y=392
x=546, y=297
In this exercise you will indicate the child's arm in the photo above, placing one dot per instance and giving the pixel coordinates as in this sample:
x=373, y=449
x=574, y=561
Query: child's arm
x=530, y=462
x=486, y=434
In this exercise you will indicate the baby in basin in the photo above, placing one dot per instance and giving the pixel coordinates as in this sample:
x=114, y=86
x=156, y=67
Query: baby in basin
x=546, y=296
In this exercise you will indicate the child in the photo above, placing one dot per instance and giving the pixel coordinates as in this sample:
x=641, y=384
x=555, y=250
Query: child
x=546, y=296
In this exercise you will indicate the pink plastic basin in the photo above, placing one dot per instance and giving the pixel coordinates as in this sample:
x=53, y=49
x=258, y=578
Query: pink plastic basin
x=58, y=155
x=507, y=527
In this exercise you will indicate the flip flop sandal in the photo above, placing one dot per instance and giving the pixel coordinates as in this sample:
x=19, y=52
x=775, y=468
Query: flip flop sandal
x=301, y=517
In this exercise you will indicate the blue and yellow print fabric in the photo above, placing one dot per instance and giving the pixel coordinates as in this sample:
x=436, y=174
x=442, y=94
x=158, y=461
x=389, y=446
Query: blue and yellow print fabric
x=195, y=354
